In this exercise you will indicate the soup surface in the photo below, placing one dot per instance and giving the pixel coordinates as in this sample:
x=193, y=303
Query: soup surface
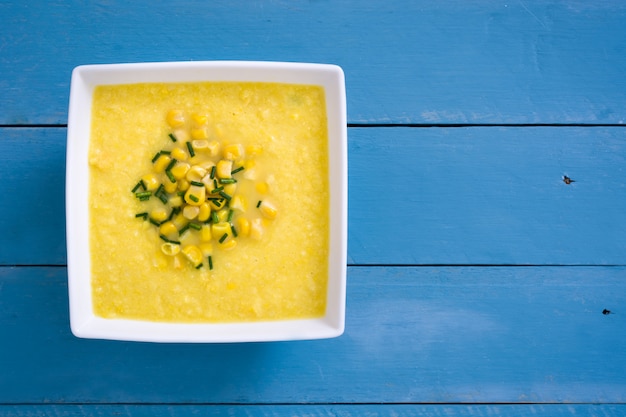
x=282, y=274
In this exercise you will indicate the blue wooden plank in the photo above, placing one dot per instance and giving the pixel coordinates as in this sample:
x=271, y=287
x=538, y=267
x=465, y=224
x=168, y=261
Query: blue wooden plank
x=530, y=61
x=413, y=335
x=449, y=196
x=333, y=410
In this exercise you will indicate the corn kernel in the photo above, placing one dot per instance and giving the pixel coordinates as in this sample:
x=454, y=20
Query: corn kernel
x=224, y=168
x=199, y=133
x=161, y=163
x=193, y=254
x=151, y=181
x=179, y=154
x=175, y=118
x=230, y=189
x=200, y=145
x=268, y=209
x=195, y=173
x=175, y=201
x=214, y=206
x=183, y=185
x=229, y=244
x=214, y=147
x=256, y=229
x=181, y=135
x=205, y=233
x=168, y=229
x=219, y=229
x=159, y=214
x=222, y=215
x=238, y=202
x=191, y=212
x=179, y=221
x=170, y=186
x=233, y=152
x=261, y=187
x=243, y=226
x=204, y=211
x=178, y=261
x=170, y=249
x=195, y=195
x=180, y=170
x=200, y=119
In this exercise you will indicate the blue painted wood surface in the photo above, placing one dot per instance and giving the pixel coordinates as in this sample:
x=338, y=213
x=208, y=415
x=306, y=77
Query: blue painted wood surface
x=477, y=281
x=488, y=61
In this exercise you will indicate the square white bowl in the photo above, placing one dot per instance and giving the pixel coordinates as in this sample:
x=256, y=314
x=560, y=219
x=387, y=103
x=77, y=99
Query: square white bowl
x=83, y=321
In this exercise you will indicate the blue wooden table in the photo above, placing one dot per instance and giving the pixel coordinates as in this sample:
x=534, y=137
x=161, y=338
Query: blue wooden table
x=480, y=284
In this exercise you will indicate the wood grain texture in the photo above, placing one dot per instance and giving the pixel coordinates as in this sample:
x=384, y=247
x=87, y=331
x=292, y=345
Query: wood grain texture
x=332, y=410
x=529, y=61
x=413, y=335
x=480, y=195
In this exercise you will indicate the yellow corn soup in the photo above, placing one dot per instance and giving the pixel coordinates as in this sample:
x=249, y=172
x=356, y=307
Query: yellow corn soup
x=276, y=271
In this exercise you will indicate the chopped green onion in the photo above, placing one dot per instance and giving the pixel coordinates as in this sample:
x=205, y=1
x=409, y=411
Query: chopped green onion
x=183, y=230
x=158, y=154
x=258, y=204
x=223, y=238
x=154, y=222
x=193, y=198
x=143, y=194
x=217, y=190
x=217, y=203
x=195, y=226
x=190, y=149
x=180, y=193
x=234, y=171
x=210, y=262
x=213, y=168
x=214, y=217
x=166, y=239
x=232, y=228
x=163, y=198
x=171, y=164
x=140, y=184
x=226, y=196
x=170, y=175
x=146, y=198
x=227, y=181
x=200, y=265
x=230, y=215
x=172, y=137
x=196, y=183
x=144, y=215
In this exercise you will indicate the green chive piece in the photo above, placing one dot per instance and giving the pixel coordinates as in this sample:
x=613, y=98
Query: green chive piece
x=223, y=238
x=172, y=137
x=210, y=262
x=226, y=196
x=193, y=198
x=170, y=175
x=200, y=265
x=144, y=215
x=236, y=170
x=143, y=185
x=258, y=204
x=190, y=149
x=232, y=229
x=164, y=238
x=196, y=226
x=213, y=168
x=163, y=198
x=171, y=164
x=143, y=194
x=175, y=242
x=183, y=230
x=180, y=193
x=230, y=215
x=214, y=217
x=197, y=184
x=159, y=190
x=154, y=222
x=228, y=181
x=158, y=154
x=217, y=190
x=144, y=198
x=218, y=203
